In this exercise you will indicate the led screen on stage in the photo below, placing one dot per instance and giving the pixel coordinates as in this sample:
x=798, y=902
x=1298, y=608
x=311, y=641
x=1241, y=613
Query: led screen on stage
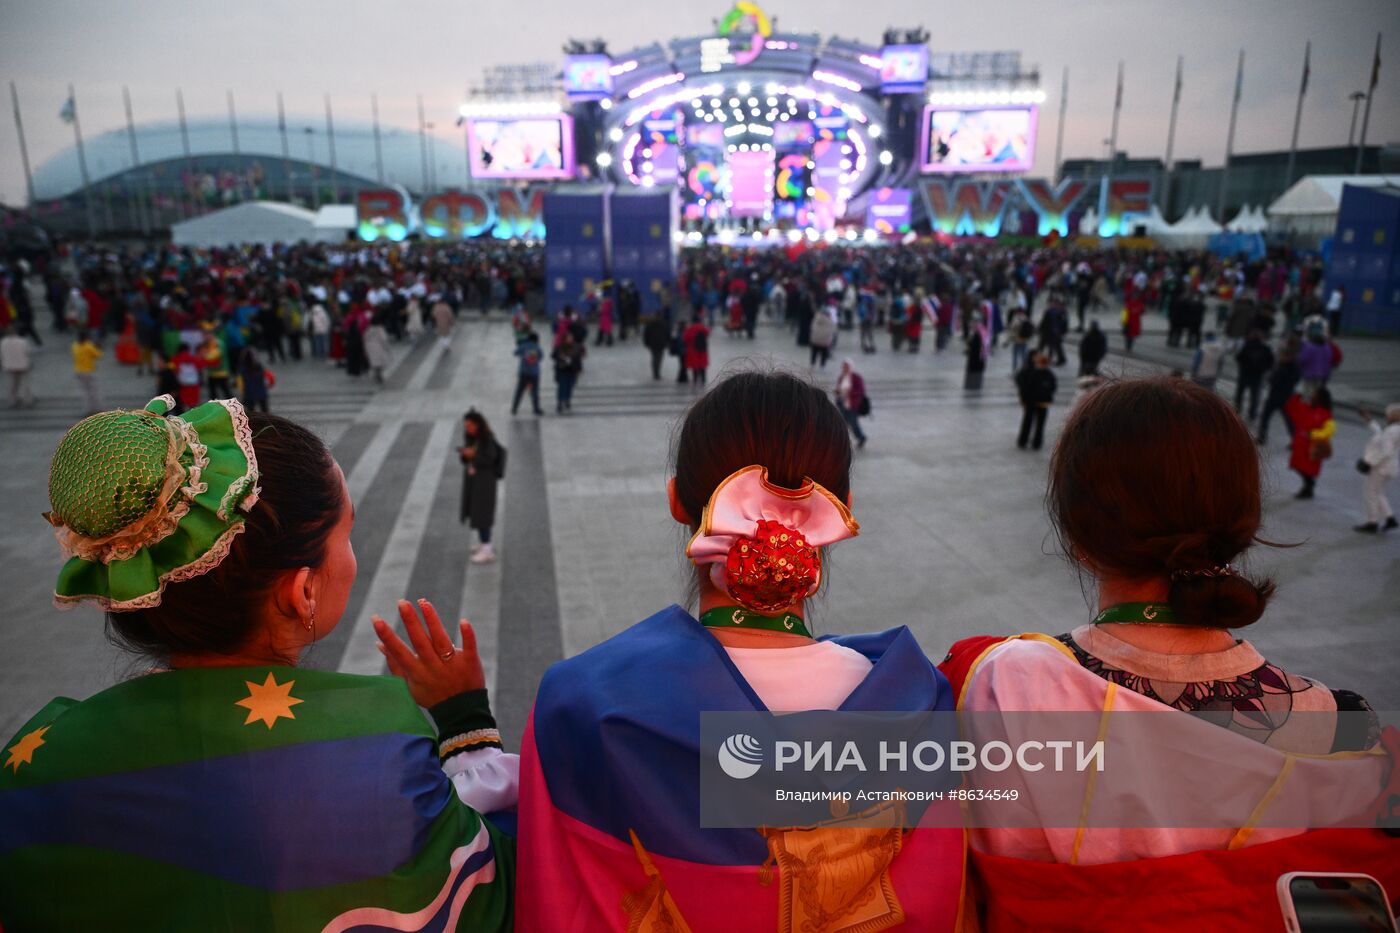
x=978, y=139
x=705, y=134
x=889, y=211
x=521, y=147
x=792, y=132
x=903, y=69
x=750, y=183
x=586, y=77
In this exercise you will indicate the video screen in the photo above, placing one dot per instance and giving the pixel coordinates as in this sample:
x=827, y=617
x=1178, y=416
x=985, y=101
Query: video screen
x=750, y=183
x=587, y=77
x=792, y=132
x=521, y=147
x=982, y=139
x=903, y=69
x=889, y=211
x=705, y=134
x=791, y=181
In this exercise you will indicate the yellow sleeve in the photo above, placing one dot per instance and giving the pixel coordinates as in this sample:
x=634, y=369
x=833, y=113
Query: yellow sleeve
x=1325, y=432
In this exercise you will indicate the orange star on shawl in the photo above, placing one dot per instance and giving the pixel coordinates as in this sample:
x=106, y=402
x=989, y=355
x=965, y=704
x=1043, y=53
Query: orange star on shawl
x=268, y=701
x=22, y=752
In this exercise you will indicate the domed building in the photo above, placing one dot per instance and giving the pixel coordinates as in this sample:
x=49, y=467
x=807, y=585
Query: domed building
x=221, y=169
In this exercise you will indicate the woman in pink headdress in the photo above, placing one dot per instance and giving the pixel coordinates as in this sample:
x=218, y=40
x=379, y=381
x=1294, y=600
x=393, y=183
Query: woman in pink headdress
x=611, y=831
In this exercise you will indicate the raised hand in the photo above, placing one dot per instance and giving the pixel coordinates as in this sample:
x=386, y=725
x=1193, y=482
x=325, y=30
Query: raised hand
x=434, y=669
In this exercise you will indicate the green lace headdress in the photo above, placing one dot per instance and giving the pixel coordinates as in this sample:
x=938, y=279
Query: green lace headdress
x=142, y=498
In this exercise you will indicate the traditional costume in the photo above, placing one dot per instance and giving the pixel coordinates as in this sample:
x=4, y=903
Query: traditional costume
x=610, y=832
x=1188, y=825
x=220, y=798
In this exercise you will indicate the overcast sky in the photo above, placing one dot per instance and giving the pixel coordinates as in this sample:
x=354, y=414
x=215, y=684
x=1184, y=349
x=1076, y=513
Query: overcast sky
x=353, y=47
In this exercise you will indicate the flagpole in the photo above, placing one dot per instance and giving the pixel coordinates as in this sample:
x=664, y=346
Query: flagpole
x=1060, y=127
x=1113, y=135
x=82, y=164
x=423, y=146
x=192, y=198
x=1370, y=92
x=330, y=137
x=1298, y=116
x=378, y=153
x=1230, y=142
x=232, y=122
x=1171, y=133
x=23, y=149
x=286, y=156
x=135, y=157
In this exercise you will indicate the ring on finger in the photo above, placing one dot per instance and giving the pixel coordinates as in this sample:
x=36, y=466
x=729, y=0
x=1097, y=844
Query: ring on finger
x=447, y=655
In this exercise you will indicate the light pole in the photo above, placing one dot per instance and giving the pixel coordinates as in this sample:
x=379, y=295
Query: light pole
x=311, y=164
x=1356, y=97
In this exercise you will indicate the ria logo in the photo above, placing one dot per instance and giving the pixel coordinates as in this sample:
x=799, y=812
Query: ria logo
x=740, y=756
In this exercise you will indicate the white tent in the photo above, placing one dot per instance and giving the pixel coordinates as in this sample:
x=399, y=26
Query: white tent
x=1250, y=219
x=255, y=222
x=1308, y=210
x=334, y=222
x=1192, y=231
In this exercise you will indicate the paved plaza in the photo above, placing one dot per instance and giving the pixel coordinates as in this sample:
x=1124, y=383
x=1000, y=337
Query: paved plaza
x=954, y=538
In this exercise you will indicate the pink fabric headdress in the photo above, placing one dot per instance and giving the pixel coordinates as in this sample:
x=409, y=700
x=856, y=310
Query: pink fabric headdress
x=762, y=541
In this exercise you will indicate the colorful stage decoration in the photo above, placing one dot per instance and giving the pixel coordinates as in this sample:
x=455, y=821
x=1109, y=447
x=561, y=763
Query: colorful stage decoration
x=452, y=215
x=890, y=211
x=960, y=207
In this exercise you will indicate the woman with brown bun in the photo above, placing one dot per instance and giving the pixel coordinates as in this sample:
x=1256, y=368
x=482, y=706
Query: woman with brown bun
x=1154, y=495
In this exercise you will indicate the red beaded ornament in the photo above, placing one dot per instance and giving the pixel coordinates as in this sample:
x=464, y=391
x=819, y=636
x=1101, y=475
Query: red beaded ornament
x=771, y=570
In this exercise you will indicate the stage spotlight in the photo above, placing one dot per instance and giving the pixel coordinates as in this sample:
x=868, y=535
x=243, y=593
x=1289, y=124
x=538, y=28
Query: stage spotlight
x=743, y=87
x=811, y=114
x=605, y=103
x=615, y=134
x=604, y=159
x=696, y=103
x=772, y=101
x=874, y=131
x=886, y=157
x=733, y=101
x=714, y=101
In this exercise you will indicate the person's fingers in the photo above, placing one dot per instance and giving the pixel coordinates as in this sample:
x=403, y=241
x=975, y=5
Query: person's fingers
x=394, y=648
x=468, y=639
x=422, y=646
x=393, y=665
x=442, y=642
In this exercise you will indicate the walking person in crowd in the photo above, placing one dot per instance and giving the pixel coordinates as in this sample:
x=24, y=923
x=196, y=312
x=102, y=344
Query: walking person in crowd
x=483, y=466
x=17, y=361
x=1254, y=360
x=1019, y=334
x=1093, y=347
x=1313, y=428
x=851, y=399
x=443, y=320
x=1054, y=324
x=822, y=336
x=1133, y=308
x=1317, y=357
x=224, y=786
x=1207, y=361
x=1379, y=464
x=1155, y=495
x=188, y=376
x=1035, y=385
x=696, y=344
x=1283, y=381
x=527, y=373
x=377, y=346
x=568, y=363
x=656, y=339
x=319, y=327
x=975, y=348
x=85, y=357
x=758, y=456
x=256, y=380
x=214, y=362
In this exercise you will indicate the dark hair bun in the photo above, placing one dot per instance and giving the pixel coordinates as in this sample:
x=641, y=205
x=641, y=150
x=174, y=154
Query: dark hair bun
x=1227, y=601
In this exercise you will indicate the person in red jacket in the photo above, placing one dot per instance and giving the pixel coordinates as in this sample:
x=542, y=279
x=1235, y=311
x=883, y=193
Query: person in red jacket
x=697, y=350
x=1313, y=428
